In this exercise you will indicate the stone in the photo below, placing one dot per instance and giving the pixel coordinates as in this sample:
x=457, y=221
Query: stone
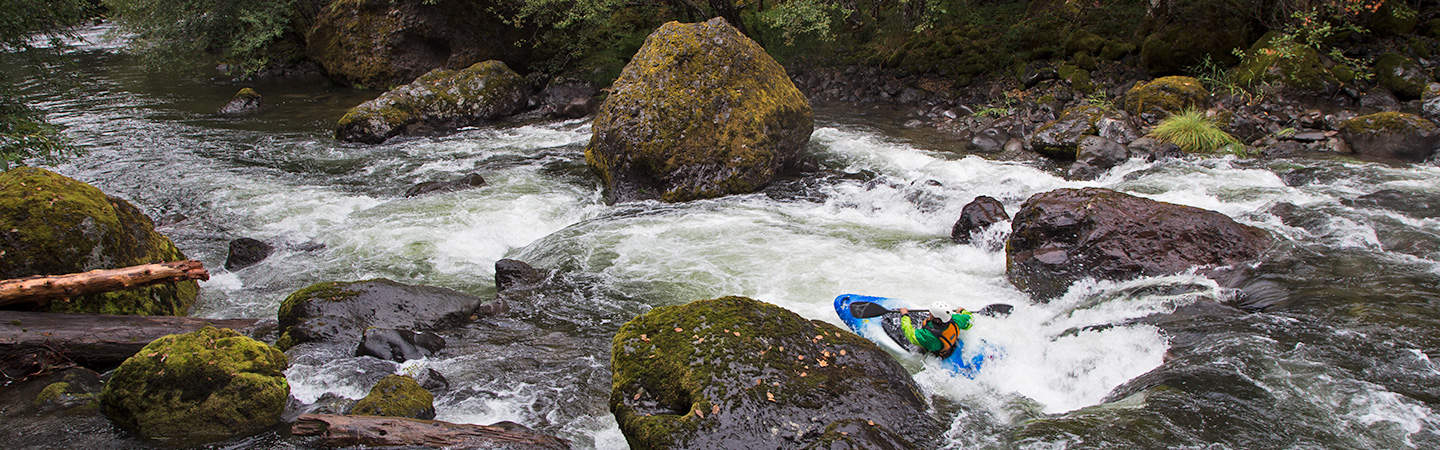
x=511, y=274
x=1380, y=100
x=1154, y=149
x=734, y=372
x=1419, y=205
x=567, y=99
x=51, y=224
x=976, y=216
x=335, y=314
x=440, y=100
x=397, y=396
x=246, y=101
x=1392, y=136
x=1065, y=235
x=989, y=140
x=1299, y=68
x=246, y=252
x=1096, y=155
x=1166, y=95
x=200, y=387
x=398, y=345
x=1402, y=76
x=1060, y=138
x=1430, y=107
x=473, y=180
x=701, y=111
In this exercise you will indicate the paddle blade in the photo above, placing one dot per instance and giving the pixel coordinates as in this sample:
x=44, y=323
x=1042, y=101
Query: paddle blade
x=866, y=310
x=996, y=309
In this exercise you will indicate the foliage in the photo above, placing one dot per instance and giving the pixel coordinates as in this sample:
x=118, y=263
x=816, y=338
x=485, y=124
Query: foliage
x=244, y=33
x=20, y=20
x=1194, y=133
x=1216, y=78
x=1317, y=30
x=797, y=18
x=24, y=133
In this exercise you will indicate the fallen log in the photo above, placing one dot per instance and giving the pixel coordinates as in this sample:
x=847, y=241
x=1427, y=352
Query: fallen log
x=30, y=341
x=40, y=289
x=373, y=431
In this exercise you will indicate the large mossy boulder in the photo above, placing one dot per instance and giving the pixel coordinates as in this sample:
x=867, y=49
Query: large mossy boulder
x=437, y=101
x=1402, y=76
x=1179, y=34
x=51, y=224
x=380, y=44
x=1291, y=66
x=397, y=396
x=335, y=315
x=1065, y=235
x=739, y=373
x=1166, y=95
x=701, y=111
x=1391, y=135
x=205, y=386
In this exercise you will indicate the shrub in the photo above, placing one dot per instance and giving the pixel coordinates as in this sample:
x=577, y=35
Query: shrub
x=1194, y=133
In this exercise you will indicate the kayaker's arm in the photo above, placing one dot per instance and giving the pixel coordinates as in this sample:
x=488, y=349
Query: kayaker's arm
x=907, y=328
x=920, y=337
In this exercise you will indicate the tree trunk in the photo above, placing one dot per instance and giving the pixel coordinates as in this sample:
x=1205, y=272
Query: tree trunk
x=40, y=289
x=30, y=342
x=373, y=431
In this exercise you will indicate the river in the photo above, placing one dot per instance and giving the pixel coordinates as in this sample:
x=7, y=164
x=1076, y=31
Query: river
x=1338, y=359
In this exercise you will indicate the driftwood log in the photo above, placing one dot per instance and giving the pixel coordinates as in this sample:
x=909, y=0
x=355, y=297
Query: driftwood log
x=31, y=341
x=40, y=289
x=344, y=431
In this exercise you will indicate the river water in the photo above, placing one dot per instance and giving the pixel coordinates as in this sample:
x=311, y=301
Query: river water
x=1332, y=349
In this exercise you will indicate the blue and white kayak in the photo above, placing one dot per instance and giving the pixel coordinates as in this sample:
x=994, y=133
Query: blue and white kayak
x=885, y=331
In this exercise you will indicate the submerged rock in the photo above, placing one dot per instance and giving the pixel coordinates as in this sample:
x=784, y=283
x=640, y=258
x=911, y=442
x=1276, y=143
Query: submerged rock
x=976, y=216
x=701, y=111
x=738, y=373
x=194, y=388
x=397, y=396
x=473, y=180
x=1065, y=235
x=337, y=313
x=246, y=101
x=54, y=225
x=246, y=252
x=437, y=101
x=1391, y=135
x=399, y=345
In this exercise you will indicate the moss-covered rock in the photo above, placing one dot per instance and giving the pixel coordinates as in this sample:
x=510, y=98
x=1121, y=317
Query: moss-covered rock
x=701, y=111
x=1391, y=135
x=1182, y=33
x=397, y=396
x=245, y=101
x=205, y=386
x=336, y=314
x=53, y=225
x=1402, y=76
x=738, y=373
x=437, y=101
x=383, y=43
x=1059, y=138
x=1166, y=95
x=1289, y=65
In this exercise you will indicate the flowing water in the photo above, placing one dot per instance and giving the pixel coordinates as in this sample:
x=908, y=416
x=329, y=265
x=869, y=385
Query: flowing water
x=1331, y=350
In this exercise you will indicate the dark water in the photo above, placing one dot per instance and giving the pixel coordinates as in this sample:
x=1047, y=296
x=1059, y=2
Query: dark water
x=1327, y=345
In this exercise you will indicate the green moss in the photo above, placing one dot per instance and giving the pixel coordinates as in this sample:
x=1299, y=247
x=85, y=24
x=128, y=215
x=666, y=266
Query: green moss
x=1387, y=122
x=1391, y=70
x=53, y=225
x=441, y=99
x=52, y=393
x=1078, y=78
x=187, y=389
x=1167, y=94
x=1277, y=61
x=397, y=396
x=347, y=41
x=247, y=93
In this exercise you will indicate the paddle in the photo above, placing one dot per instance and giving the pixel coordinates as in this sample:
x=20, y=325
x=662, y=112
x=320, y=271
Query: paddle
x=866, y=310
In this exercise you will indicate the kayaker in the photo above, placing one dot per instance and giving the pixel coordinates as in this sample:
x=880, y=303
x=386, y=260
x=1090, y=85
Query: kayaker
x=938, y=332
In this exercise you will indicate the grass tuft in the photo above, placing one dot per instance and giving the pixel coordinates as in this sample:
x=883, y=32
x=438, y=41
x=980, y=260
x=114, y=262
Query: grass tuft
x=1195, y=133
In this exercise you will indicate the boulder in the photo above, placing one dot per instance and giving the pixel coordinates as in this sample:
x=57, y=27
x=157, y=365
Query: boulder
x=1059, y=138
x=399, y=345
x=1065, y=235
x=701, y=111
x=337, y=313
x=246, y=101
x=1096, y=155
x=976, y=216
x=246, y=252
x=511, y=274
x=1430, y=106
x=739, y=373
x=54, y=225
x=397, y=396
x=1402, y=76
x=473, y=180
x=1391, y=135
x=1164, y=96
x=379, y=44
x=194, y=388
x=567, y=99
x=440, y=100
x=1297, y=68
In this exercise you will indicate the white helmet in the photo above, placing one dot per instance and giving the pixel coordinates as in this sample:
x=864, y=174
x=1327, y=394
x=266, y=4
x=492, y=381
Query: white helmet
x=940, y=313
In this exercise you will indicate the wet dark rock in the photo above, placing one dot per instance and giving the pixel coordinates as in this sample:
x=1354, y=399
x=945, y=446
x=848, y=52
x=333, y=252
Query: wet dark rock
x=1380, y=100
x=1060, y=138
x=246, y=101
x=1095, y=156
x=56, y=409
x=399, y=345
x=329, y=403
x=1420, y=205
x=701, y=111
x=976, y=216
x=1065, y=235
x=1284, y=149
x=989, y=140
x=1301, y=176
x=567, y=99
x=1309, y=136
x=1391, y=135
x=440, y=100
x=246, y=252
x=433, y=381
x=738, y=373
x=473, y=180
x=1118, y=128
x=511, y=274
x=336, y=314
x=1153, y=149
